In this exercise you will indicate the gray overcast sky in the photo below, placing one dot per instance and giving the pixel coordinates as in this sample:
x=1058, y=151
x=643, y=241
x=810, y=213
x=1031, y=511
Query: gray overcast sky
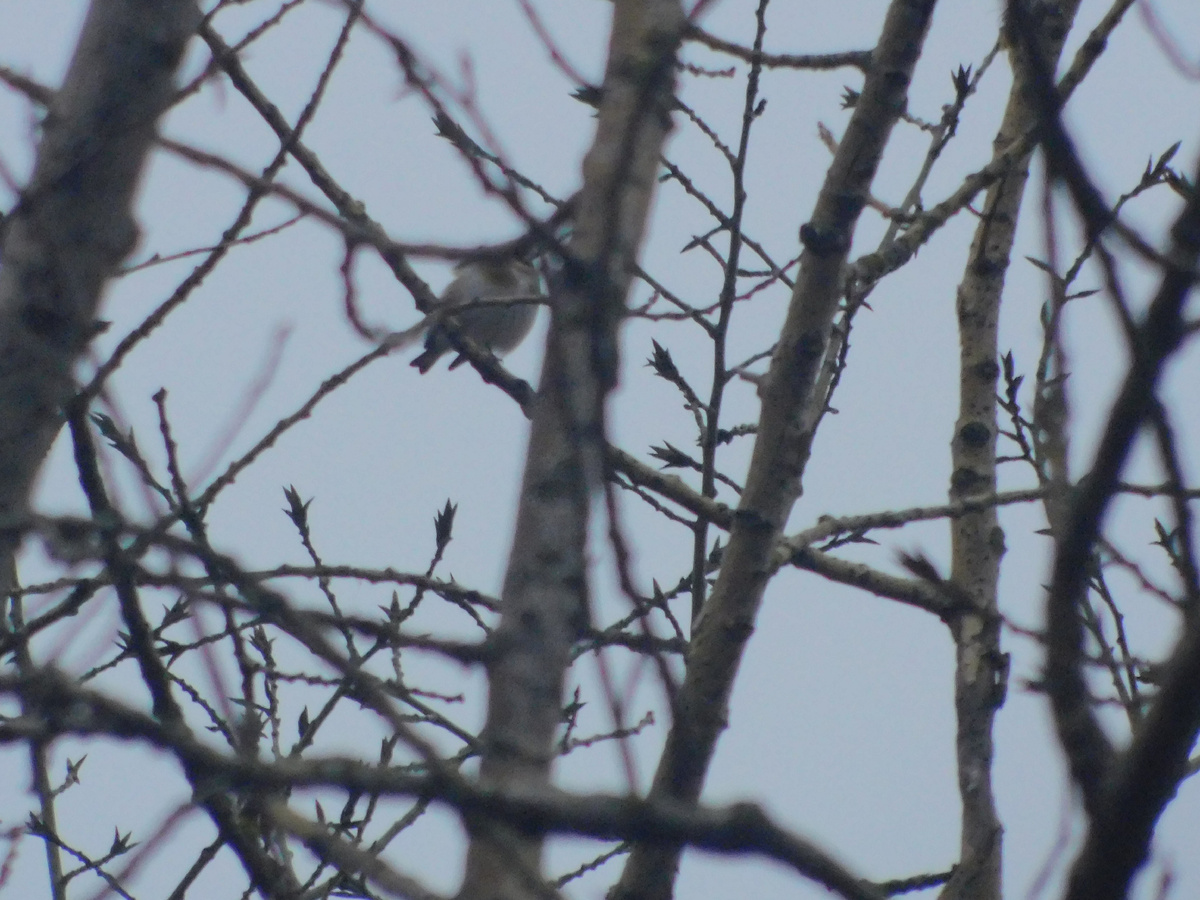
x=842, y=722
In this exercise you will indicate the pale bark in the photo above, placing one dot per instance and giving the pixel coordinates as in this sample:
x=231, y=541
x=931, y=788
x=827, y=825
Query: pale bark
x=544, y=600
x=977, y=541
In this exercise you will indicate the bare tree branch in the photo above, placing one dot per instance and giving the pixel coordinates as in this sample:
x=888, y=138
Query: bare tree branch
x=784, y=439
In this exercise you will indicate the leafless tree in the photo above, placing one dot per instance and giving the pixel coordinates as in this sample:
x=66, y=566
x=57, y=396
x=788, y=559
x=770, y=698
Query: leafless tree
x=245, y=683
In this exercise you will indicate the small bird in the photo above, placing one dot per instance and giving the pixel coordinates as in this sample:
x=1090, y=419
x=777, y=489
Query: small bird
x=500, y=328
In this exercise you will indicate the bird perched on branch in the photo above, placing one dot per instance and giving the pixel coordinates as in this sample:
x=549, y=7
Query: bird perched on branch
x=480, y=286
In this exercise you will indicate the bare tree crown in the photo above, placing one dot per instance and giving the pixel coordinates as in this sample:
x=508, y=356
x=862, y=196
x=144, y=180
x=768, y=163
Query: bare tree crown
x=857, y=475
